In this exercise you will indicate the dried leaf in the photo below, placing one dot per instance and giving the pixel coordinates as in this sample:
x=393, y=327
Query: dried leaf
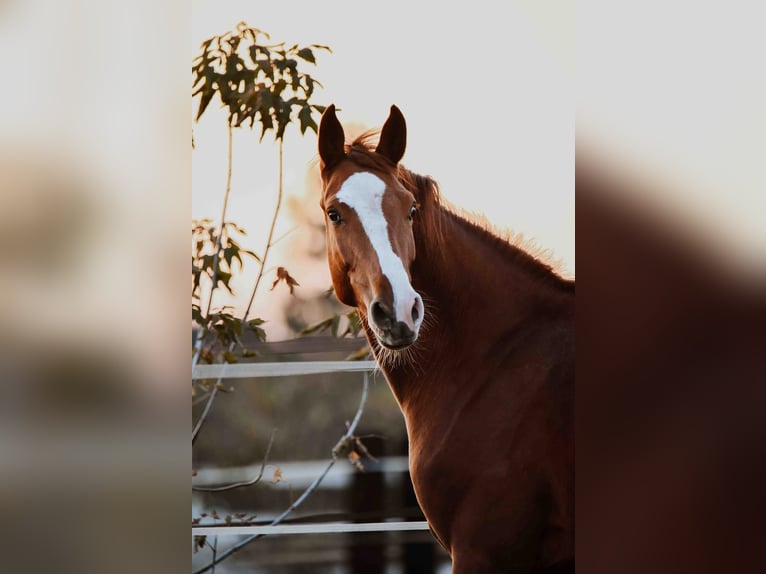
x=284, y=275
x=364, y=451
x=355, y=459
x=199, y=542
x=277, y=476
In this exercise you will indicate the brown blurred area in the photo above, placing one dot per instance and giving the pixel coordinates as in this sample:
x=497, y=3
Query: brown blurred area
x=671, y=436
x=670, y=388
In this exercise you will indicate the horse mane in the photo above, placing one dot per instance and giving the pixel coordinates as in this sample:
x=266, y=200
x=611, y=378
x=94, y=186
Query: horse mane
x=432, y=208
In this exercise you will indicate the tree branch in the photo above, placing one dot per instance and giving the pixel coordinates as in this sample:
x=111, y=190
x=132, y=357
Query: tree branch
x=269, y=244
x=216, y=256
x=205, y=411
x=336, y=452
x=246, y=482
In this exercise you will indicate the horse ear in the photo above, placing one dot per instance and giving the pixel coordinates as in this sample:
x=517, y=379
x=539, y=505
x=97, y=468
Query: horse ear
x=331, y=138
x=393, y=136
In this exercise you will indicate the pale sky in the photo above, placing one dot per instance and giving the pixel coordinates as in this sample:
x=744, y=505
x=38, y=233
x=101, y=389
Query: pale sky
x=487, y=90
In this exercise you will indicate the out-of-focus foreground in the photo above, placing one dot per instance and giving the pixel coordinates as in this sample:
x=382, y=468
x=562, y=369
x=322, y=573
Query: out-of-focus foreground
x=671, y=302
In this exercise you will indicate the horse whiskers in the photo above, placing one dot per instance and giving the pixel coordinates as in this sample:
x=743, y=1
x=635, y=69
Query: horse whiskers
x=391, y=359
x=410, y=357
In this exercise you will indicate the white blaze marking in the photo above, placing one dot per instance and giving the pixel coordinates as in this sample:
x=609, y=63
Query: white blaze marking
x=363, y=192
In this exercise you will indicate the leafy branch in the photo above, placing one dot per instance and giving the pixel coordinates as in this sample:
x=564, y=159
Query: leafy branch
x=353, y=325
x=260, y=82
x=256, y=81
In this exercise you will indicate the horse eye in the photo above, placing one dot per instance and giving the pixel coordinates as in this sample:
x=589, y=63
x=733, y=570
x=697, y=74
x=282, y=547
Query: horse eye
x=334, y=216
x=413, y=211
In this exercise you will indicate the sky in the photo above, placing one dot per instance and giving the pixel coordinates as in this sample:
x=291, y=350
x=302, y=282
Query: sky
x=487, y=91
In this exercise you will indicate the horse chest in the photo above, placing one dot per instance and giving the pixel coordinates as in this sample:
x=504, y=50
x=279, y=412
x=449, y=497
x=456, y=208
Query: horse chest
x=465, y=453
x=443, y=468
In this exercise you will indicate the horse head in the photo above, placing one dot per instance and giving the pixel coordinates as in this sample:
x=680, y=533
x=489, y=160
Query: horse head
x=369, y=227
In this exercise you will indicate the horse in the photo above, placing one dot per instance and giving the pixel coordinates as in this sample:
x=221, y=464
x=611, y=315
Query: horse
x=475, y=337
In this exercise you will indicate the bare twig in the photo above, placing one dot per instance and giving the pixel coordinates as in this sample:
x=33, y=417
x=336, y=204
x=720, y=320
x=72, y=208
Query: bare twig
x=270, y=237
x=246, y=482
x=201, y=399
x=216, y=256
x=269, y=243
x=205, y=411
x=285, y=234
x=336, y=451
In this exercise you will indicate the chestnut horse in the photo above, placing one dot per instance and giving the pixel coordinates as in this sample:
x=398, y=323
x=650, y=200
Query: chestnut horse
x=476, y=339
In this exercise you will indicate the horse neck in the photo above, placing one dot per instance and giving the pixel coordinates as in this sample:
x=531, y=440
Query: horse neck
x=476, y=290
x=468, y=273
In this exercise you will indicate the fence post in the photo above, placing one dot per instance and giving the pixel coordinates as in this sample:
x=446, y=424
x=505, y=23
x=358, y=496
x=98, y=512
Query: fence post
x=368, y=498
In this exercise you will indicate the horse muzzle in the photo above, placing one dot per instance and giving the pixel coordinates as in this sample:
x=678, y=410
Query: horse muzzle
x=391, y=333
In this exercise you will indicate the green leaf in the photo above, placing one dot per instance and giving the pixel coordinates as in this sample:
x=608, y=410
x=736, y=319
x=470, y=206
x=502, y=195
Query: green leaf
x=278, y=88
x=321, y=47
x=251, y=254
x=306, y=120
x=204, y=100
x=307, y=54
x=260, y=334
x=223, y=278
x=266, y=123
x=206, y=263
x=317, y=327
x=228, y=254
x=254, y=326
x=235, y=227
x=197, y=316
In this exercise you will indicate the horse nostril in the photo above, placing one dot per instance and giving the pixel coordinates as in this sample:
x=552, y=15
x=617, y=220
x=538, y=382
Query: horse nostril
x=381, y=317
x=415, y=312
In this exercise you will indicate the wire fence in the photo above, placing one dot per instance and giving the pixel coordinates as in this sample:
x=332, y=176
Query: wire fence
x=251, y=532
x=262, y=370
